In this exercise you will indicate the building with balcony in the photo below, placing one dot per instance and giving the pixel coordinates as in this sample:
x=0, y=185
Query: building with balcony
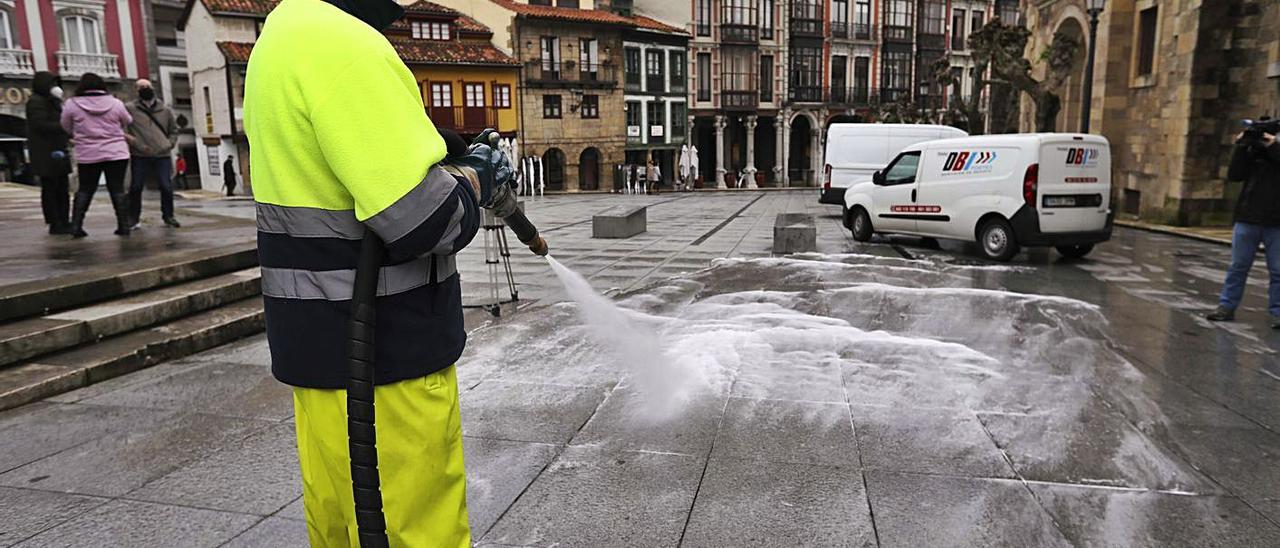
x=170, y=77
x=737, y=86
x=468, y=85
x=219, y=36
x=70, y=38
x=572, y=94
x=656, y=80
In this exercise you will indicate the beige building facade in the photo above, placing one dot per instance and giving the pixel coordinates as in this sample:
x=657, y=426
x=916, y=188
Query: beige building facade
x=1171, y=84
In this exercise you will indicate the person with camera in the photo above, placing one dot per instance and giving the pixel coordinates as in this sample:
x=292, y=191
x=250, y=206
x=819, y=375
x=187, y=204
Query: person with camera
x=1256, y=161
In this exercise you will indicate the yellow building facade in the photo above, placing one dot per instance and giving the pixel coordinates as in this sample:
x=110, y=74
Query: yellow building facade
x=467, y=84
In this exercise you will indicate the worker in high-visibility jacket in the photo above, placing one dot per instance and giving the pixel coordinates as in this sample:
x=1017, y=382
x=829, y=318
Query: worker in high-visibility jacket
x=340, y=143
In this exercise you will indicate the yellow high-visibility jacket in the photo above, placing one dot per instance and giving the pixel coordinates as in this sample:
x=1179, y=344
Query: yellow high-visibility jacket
x=340, y=142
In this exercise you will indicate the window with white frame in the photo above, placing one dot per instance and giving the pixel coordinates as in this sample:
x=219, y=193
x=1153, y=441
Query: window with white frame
x=473, y=95
x=430, y=30
x=441, y=95
x=7, y=39
x=81, y=34
x=502, y=95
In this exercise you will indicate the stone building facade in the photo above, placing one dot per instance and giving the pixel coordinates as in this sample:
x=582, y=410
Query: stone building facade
x=572, y=101
x=1171, y=84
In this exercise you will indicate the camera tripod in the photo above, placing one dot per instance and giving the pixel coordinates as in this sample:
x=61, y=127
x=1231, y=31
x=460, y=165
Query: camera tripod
x=497, y=259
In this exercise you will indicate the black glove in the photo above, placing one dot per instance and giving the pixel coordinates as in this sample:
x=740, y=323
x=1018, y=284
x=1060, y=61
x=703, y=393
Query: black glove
x=487, y=169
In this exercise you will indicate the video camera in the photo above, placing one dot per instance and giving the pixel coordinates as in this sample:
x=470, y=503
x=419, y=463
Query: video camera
x=1253, y=130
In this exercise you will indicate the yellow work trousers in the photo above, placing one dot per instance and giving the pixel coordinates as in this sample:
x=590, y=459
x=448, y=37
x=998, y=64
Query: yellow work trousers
x=424, y=485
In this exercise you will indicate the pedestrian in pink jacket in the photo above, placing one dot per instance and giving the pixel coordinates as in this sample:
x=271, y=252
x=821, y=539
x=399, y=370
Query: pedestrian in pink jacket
x=96, y=122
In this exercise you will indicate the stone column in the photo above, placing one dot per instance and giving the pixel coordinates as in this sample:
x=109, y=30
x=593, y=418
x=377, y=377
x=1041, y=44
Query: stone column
x=751, y=151
x=721, y=122
x=786, y=148
x=816, y=159
x=779, y=165
x=690, y=137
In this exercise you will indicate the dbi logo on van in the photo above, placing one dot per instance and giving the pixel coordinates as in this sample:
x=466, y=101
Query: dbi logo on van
x=1082, y=157
x=968, y=162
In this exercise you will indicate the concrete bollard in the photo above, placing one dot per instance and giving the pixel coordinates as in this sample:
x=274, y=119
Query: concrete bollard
x=794, y=233
x=619, y=222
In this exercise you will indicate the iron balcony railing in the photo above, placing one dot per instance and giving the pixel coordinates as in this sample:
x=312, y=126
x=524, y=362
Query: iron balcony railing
x=569, y=74
x=862, y=31
x=854, y=96
x=806, y=94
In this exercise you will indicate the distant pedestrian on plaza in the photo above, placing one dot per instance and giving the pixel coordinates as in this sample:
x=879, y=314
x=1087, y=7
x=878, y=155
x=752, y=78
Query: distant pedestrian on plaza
x=229, y=175
x=1256, y=161
x=97, y=123
x=653, y=175
x=154, y=133
x=181, y=168
x=642, y=179
x=48, y=143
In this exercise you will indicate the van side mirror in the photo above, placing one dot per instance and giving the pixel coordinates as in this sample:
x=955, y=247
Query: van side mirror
x=878, y=178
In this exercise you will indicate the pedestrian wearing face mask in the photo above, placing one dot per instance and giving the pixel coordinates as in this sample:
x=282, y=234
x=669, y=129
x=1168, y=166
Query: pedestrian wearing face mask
x=153, y=135
x=47, y=142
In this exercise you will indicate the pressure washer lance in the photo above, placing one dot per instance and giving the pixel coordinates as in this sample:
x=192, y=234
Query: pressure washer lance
x=362, y=440
x=506, y=205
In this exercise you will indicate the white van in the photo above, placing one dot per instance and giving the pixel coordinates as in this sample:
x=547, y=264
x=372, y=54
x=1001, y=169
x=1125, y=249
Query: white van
x=856, y=151
x=1001, y=191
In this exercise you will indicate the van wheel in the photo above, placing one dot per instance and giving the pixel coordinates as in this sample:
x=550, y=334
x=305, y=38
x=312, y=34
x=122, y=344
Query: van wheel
x=1075, y=251
x=997, y=241
x=860, y=226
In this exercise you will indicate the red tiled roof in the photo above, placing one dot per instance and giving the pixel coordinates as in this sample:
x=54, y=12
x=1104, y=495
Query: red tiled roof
x=566, y=14
x=467, y=24
x=236, y=52
x=429, y=8
x=246, y=7
x=429, y=52
x=649, y=23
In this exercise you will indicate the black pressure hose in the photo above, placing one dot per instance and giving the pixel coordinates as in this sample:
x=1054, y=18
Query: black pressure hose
x=361, y=436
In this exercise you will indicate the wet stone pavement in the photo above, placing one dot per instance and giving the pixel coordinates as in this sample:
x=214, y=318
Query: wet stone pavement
x=868, y=394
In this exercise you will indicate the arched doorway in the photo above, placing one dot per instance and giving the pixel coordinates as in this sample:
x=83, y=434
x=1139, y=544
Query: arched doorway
x=589, y=169
x=553, y=167
x=1072, y=91
x=800, y=155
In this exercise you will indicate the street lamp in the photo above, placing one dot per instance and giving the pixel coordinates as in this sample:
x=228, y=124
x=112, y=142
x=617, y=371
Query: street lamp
x=1095, y=9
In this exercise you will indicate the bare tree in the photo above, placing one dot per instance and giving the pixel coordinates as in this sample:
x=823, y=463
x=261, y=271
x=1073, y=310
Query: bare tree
x=1001, y=48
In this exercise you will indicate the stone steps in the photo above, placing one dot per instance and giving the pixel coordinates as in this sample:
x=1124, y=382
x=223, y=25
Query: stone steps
x=67, y=370
x=33, y=337
x=41, y=297
x=62, y=333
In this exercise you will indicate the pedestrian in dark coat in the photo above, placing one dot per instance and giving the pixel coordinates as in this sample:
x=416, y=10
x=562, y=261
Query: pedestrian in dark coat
x=47, y=144
x=229, y=175
x=1255, y=161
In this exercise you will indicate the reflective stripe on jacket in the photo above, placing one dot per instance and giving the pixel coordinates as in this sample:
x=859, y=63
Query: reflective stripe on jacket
x=340, y=143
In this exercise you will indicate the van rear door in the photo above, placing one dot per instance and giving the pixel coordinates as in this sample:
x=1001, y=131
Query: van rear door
x=1074, y=183
x=855, y=153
